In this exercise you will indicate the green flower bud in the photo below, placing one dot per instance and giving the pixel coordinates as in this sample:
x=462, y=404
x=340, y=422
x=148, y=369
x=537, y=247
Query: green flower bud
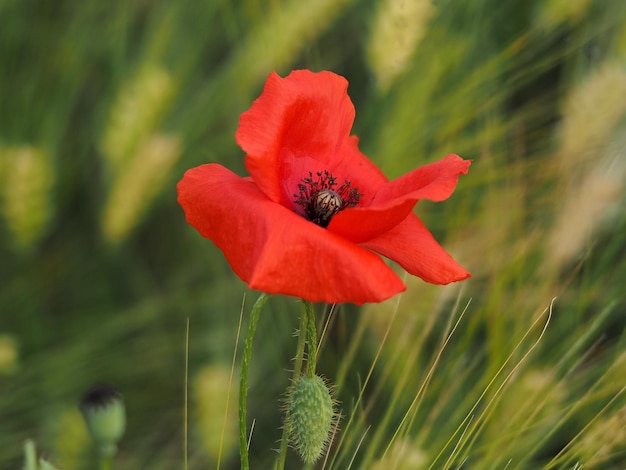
x=31, y=461
x=45, y=465
x=310, y=417
x=105, y=417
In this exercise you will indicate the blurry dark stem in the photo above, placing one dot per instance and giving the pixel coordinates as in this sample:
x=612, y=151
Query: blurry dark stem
x=243, y=381
x=306, y=332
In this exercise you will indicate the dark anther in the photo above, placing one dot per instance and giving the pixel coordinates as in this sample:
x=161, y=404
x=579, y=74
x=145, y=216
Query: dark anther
x=320, y=200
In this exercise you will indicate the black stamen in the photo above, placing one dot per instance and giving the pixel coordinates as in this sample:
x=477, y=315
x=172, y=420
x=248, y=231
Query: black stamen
x=320, y=200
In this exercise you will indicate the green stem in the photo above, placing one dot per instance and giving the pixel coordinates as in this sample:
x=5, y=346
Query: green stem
x=297, y=371
x=311, y=332
x=107, y=453
x=106, y=462
x=243, y=381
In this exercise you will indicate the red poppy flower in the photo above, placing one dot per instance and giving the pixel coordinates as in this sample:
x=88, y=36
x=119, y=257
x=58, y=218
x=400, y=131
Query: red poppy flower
x=315, y=214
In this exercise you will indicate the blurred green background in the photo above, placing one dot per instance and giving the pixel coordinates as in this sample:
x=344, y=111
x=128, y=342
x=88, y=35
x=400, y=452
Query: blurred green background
x=104, y=105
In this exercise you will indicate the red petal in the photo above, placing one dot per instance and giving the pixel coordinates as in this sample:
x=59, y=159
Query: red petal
x=435, y=181
x=275, y=250
x=394, y=201
x=351, y=165
x=295, y=126
x=413, y=247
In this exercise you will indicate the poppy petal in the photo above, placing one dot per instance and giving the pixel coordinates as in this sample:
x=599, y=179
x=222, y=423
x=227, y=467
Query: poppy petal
x=360, y=224
x=351, y=165
x=394, y=200
x=296, y=125
x=275, y=250
x=413, y=247
x=435, y=181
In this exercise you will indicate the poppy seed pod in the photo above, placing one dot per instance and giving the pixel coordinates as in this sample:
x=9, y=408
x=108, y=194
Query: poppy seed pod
x=105, y=416
x=310, y=417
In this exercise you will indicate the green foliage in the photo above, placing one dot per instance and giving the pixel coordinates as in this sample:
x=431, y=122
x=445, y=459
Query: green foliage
x=104, y=106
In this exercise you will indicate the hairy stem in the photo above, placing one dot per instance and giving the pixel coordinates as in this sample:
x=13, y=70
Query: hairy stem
x=311, y=333
x=243, y=381
x=297, y=371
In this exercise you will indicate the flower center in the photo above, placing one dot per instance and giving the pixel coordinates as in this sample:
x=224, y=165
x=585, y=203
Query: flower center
x=320, y=199
x=327, y=203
